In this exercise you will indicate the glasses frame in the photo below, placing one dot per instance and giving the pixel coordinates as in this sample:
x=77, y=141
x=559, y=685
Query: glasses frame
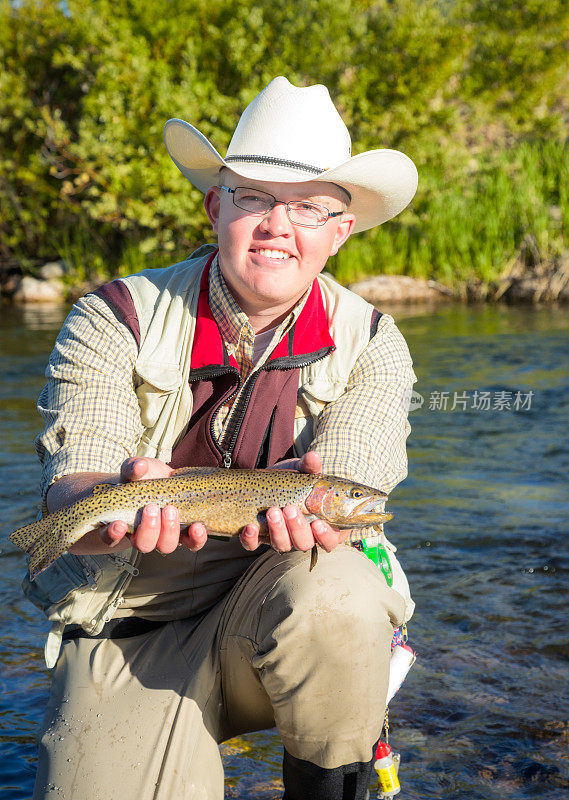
x=276, y=202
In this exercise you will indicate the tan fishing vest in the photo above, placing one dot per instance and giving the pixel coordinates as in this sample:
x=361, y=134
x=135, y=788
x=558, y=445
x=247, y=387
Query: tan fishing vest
x=87, y=590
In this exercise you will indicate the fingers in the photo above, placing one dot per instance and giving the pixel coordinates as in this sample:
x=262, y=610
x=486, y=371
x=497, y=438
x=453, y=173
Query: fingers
x=113, y=533
x=249, y=537
x=159, y=529
x=195, y=537
x=310, y=462
x=169, y=536
x=137, y=469
x=146, y=535
x=327, y=537
x=289, y=529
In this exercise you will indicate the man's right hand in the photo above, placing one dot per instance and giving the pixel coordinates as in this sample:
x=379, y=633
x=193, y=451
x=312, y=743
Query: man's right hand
x=159, y=529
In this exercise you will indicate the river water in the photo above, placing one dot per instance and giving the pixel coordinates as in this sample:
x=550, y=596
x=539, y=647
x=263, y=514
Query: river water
x=481, y=526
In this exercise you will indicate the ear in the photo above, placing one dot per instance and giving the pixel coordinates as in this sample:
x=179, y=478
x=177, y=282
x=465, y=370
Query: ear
x=212, y=203
x=343, y=232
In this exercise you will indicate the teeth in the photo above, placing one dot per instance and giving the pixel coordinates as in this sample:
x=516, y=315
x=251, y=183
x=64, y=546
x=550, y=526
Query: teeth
x=273, y=253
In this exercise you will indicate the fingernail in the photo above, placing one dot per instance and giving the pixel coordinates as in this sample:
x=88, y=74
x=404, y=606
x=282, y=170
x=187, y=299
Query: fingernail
x=152, y=510
x=318, y=527
x=273, y=515
x=170, y=513
x=289, y=512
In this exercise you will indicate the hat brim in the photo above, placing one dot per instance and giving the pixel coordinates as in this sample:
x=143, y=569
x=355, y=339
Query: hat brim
x=381, y=182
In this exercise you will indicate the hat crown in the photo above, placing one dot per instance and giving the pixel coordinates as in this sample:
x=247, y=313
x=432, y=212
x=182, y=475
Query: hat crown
x=290, y=125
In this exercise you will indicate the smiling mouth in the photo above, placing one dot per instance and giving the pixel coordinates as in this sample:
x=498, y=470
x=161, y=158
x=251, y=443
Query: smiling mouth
x=281, y=255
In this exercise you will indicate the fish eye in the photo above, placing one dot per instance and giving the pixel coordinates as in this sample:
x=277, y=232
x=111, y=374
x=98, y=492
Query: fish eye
x=357, y=493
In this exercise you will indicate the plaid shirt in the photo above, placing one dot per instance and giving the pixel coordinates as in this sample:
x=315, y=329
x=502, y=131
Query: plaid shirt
x=239, y=338
x=92, y=416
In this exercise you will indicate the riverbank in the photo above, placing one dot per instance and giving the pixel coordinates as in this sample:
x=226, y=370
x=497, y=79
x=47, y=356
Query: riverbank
x=527, y=280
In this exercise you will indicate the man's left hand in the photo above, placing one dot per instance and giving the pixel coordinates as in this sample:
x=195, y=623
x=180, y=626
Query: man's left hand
x=288, y=527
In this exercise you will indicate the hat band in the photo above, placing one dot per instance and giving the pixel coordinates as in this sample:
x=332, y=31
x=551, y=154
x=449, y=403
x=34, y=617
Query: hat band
x=280, y=162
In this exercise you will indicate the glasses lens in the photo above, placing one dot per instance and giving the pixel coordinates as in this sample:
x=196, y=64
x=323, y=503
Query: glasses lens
x=308, y=214
x=253, y=200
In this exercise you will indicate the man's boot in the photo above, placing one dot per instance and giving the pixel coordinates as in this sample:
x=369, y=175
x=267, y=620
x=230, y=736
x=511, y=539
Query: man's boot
x=306, y=781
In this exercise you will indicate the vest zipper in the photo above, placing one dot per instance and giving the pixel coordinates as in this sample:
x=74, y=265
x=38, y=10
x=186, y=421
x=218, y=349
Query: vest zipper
x=126, y=566
x=228, y=454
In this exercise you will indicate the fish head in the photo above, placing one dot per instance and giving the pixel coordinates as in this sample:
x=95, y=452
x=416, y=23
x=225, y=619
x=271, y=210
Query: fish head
x=345, y=504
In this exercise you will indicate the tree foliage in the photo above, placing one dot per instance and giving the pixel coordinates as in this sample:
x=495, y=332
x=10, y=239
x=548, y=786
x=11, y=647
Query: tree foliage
x=85, y=89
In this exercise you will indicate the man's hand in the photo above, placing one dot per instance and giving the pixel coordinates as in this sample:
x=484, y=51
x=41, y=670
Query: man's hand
x=159, y=529
x=288, y=528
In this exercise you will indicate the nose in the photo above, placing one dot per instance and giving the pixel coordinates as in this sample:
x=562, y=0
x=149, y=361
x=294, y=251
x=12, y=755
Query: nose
x=276, y=221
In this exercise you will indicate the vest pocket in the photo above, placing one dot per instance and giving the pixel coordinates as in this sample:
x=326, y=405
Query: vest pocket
x=56, y=583
x=316, y=394
x=156, y=382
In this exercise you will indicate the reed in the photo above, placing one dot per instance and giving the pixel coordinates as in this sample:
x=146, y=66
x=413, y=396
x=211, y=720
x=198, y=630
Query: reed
x=473, y=228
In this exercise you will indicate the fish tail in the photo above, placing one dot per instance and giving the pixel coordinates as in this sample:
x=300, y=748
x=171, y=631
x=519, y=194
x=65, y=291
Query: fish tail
x=35, y=539
x=25, y=538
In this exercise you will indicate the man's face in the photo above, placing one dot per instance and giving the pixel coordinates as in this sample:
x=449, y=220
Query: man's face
x=267, y=261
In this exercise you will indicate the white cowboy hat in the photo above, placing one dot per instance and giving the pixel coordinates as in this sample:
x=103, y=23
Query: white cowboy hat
x=290, y=134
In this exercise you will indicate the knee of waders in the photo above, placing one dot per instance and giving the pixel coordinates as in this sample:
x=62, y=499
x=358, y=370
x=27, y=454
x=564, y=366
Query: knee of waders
x=306, y=781
x=343, y=608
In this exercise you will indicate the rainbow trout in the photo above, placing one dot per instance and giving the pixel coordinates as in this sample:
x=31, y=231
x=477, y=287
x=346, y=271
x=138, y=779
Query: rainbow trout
x=224, y=500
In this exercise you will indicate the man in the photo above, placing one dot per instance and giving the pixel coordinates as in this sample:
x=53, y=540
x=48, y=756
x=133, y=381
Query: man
x=239, y=357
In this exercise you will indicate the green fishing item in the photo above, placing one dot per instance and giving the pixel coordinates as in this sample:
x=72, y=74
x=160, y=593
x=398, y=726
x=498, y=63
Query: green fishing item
x=377, y=553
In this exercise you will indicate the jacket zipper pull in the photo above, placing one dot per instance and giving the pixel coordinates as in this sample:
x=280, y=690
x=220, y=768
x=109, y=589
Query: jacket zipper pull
x=227, y=459
x=126, y=565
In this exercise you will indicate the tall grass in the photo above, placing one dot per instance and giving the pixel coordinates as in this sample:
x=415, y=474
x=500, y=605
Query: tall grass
x=456, y=232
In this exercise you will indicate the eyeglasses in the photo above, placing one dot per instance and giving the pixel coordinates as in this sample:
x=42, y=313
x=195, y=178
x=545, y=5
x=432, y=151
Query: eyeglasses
x=299, y=212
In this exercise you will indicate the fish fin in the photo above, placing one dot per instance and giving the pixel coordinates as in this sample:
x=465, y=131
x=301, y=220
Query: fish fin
x=31, y=539
x=25, y=538
x=38, y=563
x=219, y=536
x=102, y=487
x=193, y=471
x=313, y=558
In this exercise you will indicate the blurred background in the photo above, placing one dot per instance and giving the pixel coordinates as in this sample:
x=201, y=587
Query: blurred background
x=476, y=93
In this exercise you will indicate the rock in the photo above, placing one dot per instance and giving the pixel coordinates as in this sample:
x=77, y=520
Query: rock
x=52, y=270
x=10, y=284
x=81, y=289
x=536, y=282
x=400, y=289
x=32, y=290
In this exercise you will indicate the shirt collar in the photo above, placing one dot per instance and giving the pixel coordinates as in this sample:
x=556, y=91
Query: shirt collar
x=225, y=337
x=233, y=323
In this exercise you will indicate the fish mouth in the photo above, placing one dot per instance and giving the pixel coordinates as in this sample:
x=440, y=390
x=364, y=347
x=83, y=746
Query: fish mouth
x=370, y=512
x=367, y=513
x=370, y=506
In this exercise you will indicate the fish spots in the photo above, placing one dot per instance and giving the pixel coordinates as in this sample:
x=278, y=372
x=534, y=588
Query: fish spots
x=224, y=500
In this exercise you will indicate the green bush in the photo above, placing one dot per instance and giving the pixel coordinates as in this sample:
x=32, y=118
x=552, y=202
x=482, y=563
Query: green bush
x=475, y=97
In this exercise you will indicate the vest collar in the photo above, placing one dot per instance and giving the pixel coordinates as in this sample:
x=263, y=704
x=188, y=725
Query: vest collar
x=308, y=340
